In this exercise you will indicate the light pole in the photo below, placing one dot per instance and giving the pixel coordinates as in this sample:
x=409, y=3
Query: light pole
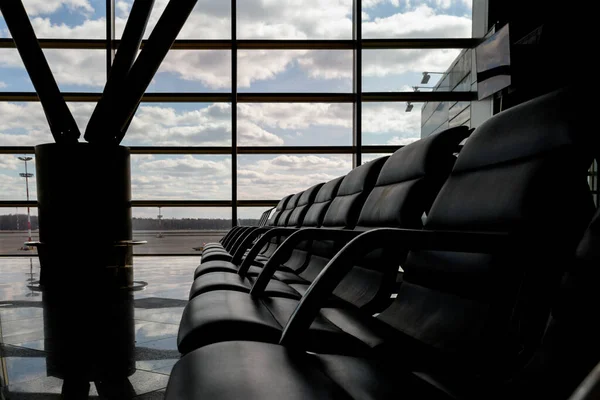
x=27, y=175
x=159, y=224
x=427, y=76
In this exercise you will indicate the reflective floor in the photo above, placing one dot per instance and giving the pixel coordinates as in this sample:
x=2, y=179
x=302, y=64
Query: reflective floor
x=88, y=344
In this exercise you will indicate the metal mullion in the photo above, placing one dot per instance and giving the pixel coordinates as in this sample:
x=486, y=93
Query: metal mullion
x=234, y=113
x=218, y=150
x=433, y=43
x=147, y=98
x=163, y=203
x=357, y=82
x=296, y=150
x=221, y=150
x=275, y=44
x=418, y=96
x=259, y=44
x=110, y=35
x=296, y=97
x=261, y=97
x=81, y=44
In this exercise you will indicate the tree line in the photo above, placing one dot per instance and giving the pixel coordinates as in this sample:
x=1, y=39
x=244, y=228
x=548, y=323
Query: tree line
x=13, y=222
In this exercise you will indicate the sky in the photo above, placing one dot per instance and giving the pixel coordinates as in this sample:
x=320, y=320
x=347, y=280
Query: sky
x=208, y=124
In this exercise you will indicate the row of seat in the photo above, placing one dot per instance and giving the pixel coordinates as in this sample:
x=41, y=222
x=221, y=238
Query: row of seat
x=388, y=192
x=492, y=282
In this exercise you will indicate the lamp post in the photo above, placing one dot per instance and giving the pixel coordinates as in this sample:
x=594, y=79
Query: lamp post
x=27, y=175
x=427, y=76
x=160, y=235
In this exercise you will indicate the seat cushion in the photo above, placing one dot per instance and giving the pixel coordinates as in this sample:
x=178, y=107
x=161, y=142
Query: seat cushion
x=289, y=277
x=249, y=370
x=215, y=266
x=225, y=315
x=216, y=256
x=228, y=281
x=252, y=370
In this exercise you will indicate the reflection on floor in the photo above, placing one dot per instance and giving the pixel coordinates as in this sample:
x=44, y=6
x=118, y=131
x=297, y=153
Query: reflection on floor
x=82, y=342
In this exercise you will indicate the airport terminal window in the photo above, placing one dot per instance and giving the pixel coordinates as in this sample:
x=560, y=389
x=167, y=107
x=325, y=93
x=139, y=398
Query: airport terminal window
x=308, y=107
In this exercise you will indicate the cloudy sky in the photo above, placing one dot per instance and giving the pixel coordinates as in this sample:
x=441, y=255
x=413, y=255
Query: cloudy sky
x=200, y=124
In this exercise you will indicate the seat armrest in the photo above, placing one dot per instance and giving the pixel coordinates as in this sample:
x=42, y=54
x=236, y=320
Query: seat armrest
x=284, y=251
x=268, y=234
x=387, y=238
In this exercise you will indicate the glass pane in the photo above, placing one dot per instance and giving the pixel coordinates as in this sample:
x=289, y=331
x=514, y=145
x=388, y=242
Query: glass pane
x=403, y=70
x=180, y=124
x=292, y=19
x=189, y=177
x=25, y=124
x=262, y=177
x=391, y=123
x=13, y=229
x=209, y=19
x=194, y=71
x=417, y=19
x=70, y=19
x=295, y=71
x=12, y=185
x=178, y=230
x=74, y=70
x=295, y=124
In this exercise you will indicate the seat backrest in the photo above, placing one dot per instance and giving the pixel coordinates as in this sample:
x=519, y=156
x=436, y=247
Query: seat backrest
x=571, y=338
x=351, y=195
x=406, y=187
x=278, y=209
x=289, y=208
x=410, y=180
x=304, y=203
x=524, y=172
x=316, y=212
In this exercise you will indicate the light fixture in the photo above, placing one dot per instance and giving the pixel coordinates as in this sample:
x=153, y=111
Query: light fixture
x=409, y=106
x=427, y=76
x=416, y=88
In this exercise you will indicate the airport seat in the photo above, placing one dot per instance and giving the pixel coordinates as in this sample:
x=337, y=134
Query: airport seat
x=480, y=281
x=341, y=214
x=292, y=217
x=271, y=220
x=225, y=255
x=313, y=218
x=405, y=188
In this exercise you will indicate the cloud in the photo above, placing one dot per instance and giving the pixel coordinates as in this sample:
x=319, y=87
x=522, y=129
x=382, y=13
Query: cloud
x=208, y=20
x=281, y=175
x=181, y=177
x=380, y=118
x=422, y=22
x=210, y=126
x=45, y=7
x=210, y=67
x=297, y=115
x=402, y=141
x=3, y=85
x=382, y=63
x=83, y=68
x=292, y=19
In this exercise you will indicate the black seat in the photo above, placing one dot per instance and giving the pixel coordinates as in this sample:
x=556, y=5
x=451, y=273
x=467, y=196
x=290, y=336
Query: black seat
x=313, y=218
x=480, y=281
x=234, y=233
x=404, y=190
x=225, y=255
x=342, y=214
x=219, y=245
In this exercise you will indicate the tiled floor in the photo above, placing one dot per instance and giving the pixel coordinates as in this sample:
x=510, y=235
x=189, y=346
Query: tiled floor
x=124, y=347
